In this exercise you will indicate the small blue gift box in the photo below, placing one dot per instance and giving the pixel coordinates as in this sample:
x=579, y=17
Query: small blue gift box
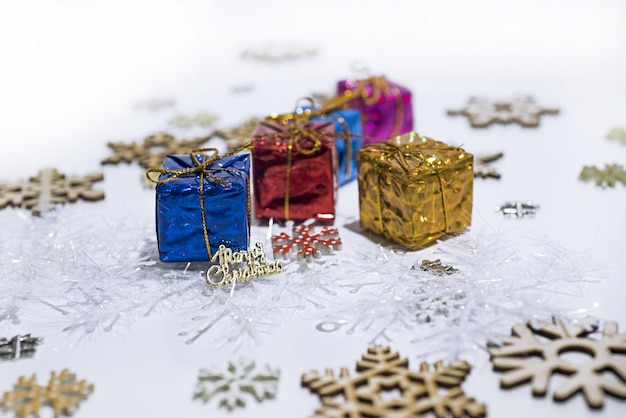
x=350, y=118
x=181, y=231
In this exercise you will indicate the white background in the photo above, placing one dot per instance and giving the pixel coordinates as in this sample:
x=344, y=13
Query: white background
x=71, y=71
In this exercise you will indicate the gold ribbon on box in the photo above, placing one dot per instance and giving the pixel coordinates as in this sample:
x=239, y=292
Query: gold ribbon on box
x=394, y=158
x=203, y=169
x=305, y=115
x=379, y=87
x=400, y=153
x=297, y=135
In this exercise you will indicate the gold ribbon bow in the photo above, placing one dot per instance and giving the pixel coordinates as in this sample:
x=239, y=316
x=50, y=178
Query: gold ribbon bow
x=203, y=169
x=379, y=86
x=305, y=115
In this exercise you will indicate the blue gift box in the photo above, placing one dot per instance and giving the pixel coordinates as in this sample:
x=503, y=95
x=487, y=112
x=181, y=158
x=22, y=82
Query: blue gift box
x=180, y=229
x=352, y=118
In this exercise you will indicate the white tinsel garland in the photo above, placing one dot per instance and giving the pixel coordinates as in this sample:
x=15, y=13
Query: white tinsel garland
x=498, y=283
x=82, y=271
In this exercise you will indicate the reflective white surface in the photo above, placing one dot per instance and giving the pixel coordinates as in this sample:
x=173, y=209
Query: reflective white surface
x=71, y=71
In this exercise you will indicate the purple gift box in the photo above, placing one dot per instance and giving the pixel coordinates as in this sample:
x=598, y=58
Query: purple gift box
x=385, y=107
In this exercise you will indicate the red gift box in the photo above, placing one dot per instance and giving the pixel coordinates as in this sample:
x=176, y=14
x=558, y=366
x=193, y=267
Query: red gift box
x=295, y=170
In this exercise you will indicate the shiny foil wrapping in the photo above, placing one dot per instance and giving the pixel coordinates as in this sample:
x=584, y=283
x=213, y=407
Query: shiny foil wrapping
x=298, y=186
x=385, y=106
x=414, y=190
x=180, y=230
x=346, y=154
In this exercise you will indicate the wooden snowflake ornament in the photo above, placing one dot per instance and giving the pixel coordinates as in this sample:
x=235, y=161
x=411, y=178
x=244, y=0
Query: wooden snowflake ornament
x=240, y=381
x=609, y=176
x=305, y=243
x=189, y=121
x=47, y=189
x=19, y=347
x=517, y=357
x=151, y=152
x=482, y=169
x=617, y=134
x=482, y=112
x=382, y=374
x=236, y=136
x=63, y=394
x=154, y=104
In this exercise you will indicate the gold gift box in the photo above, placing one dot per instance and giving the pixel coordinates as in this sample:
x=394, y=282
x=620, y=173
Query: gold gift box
x=414, y=190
